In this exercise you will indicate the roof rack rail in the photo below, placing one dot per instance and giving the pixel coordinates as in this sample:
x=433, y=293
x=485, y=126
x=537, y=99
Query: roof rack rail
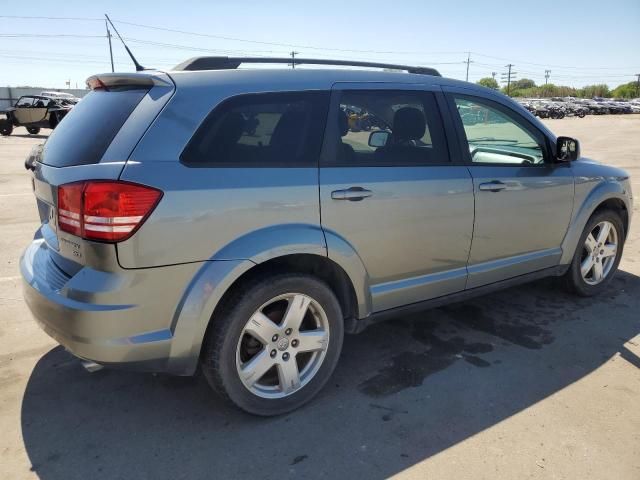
x=231, y=63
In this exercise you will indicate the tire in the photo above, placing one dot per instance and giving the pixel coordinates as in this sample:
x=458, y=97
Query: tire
x=573, y=278
x=581, y=114
x=5, y=128
x=229, y=348
x=33, y=130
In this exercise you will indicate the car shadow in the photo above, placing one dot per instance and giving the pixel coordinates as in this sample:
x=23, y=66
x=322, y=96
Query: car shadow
x=28, y=135
x=404, y=391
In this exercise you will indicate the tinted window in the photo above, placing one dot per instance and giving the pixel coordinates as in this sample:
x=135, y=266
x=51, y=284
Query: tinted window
x=86, y=131
x=496, y=137
x=381, y=128
x=275, y=129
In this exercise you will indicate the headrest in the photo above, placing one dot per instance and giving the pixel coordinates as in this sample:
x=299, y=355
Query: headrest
x=343, y=123
x=232, y=127
x=408, y=124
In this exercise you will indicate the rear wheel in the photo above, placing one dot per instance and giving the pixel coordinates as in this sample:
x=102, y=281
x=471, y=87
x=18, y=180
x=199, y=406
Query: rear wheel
x=33, y=130
x=598, y=254
x=275, y=344
x=5, y=128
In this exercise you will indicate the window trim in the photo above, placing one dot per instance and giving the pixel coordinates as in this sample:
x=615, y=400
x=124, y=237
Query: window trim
x=329, y=155
x=518, y=119
x=309, y=160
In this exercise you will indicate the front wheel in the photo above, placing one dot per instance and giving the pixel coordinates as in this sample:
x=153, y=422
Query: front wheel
x=275, y=343
x=598, y=254
x=33, y=130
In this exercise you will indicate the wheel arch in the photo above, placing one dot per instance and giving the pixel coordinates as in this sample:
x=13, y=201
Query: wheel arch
x=607, y=195
x=287, y=248
x=317, y=266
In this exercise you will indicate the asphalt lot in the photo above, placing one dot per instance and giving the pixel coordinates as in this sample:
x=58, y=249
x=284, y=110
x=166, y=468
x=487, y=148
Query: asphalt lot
x=529, y=382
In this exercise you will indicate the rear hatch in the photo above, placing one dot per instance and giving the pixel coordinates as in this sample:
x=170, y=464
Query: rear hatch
x=90, y=146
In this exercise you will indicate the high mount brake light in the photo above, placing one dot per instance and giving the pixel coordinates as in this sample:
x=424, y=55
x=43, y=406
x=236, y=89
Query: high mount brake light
x=107, y=211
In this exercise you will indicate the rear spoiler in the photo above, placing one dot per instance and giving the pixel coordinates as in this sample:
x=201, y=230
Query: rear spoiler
x=108, y=80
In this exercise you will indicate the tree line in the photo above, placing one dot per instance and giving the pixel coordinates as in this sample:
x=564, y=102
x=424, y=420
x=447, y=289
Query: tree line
x=526, y=87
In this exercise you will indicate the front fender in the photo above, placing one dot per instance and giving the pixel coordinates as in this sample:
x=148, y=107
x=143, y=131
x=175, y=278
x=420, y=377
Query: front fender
x=590, y=193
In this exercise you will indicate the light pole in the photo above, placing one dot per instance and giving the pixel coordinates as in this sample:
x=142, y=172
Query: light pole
x=293, y=59
x=508, y=76
x=468, y=61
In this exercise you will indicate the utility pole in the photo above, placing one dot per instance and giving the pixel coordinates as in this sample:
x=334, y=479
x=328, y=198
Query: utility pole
x=546, y=76
x=509, y=76
x=493, y=75
x=638, y=85
x=468, y=61
x=293, y=59
x=110, y=49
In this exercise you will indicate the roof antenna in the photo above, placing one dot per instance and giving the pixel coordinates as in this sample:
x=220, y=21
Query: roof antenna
x=139, y=67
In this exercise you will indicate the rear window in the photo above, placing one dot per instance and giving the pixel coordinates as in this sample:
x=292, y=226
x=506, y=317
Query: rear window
x=87, y=130
x=261, y=130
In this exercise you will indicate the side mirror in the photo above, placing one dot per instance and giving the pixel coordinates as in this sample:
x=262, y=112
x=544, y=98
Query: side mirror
x=378, y=138
x=567, y=149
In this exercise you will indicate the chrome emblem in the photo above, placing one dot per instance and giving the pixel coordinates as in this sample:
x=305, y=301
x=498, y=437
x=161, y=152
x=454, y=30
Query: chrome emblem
x=282, y=344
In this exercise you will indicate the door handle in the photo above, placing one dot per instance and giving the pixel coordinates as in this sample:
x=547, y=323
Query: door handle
x=353, y=194
x=494, y=186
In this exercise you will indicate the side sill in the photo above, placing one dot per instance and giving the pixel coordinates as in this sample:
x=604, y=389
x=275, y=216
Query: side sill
x=462, y=296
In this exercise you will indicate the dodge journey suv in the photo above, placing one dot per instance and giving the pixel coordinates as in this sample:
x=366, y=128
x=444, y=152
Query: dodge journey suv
x=242, y=221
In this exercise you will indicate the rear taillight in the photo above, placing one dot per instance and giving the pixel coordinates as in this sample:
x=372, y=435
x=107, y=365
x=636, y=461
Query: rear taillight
x=108, y=211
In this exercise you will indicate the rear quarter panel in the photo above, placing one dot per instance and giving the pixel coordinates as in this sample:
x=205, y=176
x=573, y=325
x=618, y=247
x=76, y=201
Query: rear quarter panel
x=207, y=211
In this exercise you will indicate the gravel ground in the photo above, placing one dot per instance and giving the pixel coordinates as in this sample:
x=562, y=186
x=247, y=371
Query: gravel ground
x=528, y=382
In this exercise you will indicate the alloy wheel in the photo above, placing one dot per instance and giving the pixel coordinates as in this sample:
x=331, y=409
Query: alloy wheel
x=599, y=253
x=282, y=346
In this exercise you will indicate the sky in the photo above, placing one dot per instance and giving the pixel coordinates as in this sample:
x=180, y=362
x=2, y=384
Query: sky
x=581, y=42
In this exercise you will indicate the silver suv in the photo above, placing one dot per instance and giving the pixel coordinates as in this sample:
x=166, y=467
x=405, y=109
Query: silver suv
x=243, y=220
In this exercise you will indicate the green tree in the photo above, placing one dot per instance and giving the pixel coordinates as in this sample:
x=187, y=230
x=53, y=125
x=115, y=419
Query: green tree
x=522, y=84
x=626, y=90
x=590, y=91
x=488, y=82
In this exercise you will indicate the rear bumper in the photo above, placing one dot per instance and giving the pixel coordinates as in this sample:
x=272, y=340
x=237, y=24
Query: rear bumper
x=121, y=318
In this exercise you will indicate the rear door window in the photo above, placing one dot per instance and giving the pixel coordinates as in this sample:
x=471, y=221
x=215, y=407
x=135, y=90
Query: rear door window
x=85, y=133
x=261, y=130
x=389, y=128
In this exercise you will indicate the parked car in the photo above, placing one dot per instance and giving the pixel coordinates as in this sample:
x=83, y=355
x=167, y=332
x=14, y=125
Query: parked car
x=65, y=97
x=173, y=235
x=34, y=112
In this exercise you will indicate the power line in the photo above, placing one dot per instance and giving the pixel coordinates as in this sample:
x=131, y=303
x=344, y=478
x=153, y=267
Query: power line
x=24, y=17
x=278, y=44
x=309, y=47
x=47, y=35
x=573, y=75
